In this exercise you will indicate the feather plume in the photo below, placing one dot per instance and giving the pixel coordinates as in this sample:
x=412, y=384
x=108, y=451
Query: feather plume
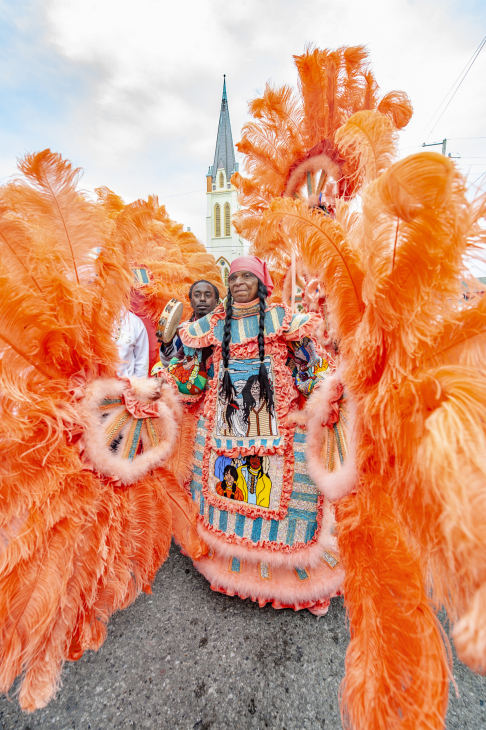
x=397, y=667
x=368, y=141
x=397, y=106
x=290, y=129
x=320, y=243
x=52, y=203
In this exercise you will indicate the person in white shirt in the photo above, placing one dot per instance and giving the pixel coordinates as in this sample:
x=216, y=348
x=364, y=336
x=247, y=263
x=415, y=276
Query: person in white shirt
x=133, y=346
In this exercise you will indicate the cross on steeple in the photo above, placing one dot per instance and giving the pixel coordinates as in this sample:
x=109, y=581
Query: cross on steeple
x=224, y=154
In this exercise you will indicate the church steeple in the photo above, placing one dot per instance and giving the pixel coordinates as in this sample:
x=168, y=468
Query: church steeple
x=224, y=154
x=222, y=197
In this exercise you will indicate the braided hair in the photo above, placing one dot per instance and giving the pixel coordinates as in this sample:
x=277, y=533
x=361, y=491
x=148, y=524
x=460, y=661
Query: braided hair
x=227, y=391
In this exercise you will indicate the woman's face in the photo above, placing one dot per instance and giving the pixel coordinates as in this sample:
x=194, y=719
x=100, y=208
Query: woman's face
x=243, y=286
x=255, y=390
x=229, y=478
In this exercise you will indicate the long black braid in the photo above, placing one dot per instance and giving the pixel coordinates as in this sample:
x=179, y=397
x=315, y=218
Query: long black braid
x=266, y=390
x=227, y=392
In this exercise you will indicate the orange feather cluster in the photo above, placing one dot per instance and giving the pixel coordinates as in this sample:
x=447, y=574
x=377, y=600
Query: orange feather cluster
x=294, y=132
x=413, y=349
x=74, y=546
x=413, y=352
x=174, y=257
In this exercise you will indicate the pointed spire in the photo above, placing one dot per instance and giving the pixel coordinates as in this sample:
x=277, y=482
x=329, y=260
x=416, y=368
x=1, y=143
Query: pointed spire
x=224, y=154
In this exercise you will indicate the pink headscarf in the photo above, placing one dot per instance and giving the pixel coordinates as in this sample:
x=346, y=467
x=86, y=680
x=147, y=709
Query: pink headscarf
x=256, y=266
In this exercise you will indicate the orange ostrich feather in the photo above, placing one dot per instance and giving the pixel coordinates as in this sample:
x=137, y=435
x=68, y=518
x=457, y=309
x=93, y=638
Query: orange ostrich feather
x=75, y=546
x=296, y=133
x=413, y=354
x=412, y=348
x=174, y=257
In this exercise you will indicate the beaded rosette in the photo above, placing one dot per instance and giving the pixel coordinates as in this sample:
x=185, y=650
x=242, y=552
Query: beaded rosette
x=131, y=426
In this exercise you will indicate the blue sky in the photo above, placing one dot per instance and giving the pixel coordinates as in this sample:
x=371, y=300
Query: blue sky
x=131, y=91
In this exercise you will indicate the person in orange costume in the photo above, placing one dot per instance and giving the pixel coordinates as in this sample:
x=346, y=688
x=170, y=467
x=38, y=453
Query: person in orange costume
x=278, y=541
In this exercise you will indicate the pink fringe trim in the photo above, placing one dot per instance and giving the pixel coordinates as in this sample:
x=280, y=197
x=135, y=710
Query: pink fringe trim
x=318, y=411
x=283, y=590
x=298, y=555
x=219, y=313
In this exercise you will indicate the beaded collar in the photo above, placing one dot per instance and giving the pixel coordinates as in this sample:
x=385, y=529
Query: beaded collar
x=246, y=309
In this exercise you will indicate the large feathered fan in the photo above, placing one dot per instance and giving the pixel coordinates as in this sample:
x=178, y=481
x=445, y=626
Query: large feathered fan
x=411, y=326
x=76, y=543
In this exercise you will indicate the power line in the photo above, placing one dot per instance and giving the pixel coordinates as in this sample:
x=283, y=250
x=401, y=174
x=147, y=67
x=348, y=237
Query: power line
x=477, y=179
x=463, y=73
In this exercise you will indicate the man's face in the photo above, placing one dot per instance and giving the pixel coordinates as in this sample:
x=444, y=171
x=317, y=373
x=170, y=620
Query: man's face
x=255, y=462
x=203, y=299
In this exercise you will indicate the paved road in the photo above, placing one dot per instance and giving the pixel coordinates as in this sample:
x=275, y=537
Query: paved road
x=186, y=658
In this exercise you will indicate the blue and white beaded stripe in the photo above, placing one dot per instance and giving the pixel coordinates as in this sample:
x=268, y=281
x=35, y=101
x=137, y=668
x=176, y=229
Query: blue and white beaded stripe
x=135, y=440
x=251, y=325
x=298, y=526
x=230, y=443
x=196, y=488
x=297, y=321
x=201, y=327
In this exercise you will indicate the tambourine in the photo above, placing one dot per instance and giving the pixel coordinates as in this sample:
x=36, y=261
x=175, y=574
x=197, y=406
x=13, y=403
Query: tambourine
x=169, y=321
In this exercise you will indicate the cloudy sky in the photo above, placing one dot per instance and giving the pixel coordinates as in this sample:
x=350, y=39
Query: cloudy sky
x=130, y=90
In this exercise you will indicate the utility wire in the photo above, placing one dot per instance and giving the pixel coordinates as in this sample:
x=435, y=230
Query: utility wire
x=477, y=180
x=463, y=74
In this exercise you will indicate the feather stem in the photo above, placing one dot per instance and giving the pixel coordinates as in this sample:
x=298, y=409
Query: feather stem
x=298, y=217
x=26, y=357
x=65, y=228
x=395, y=246
x=21, y=262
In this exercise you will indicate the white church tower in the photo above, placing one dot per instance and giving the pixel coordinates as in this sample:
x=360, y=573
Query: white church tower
x=221, y=238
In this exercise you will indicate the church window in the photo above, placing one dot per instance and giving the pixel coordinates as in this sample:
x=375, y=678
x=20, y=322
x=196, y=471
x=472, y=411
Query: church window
x=221, y=180
x=227, y=219
x=217, y=220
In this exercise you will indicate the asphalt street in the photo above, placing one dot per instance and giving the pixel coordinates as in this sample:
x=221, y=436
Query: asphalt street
x=186, y=658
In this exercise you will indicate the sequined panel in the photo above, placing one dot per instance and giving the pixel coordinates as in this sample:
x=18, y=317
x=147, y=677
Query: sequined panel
x=265, y=572
x=114, y=428
x=234, y=565
x=301, y=573
x=300, y=523
x=331, y=559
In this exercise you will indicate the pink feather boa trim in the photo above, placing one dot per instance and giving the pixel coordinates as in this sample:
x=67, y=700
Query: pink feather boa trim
x=318, y=414
x=220, y=313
